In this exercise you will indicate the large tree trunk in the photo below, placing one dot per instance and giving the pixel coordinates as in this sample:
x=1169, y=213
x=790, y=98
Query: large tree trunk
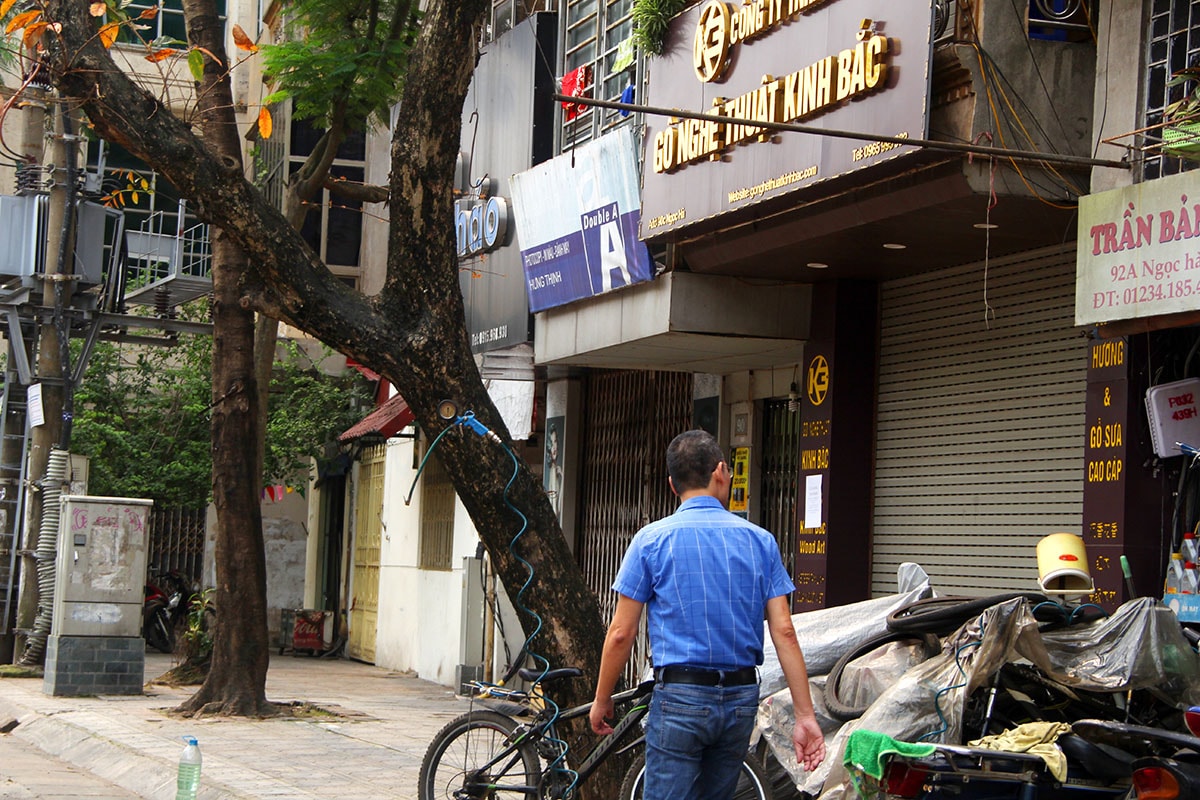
x=237, y=674
x=413, y=332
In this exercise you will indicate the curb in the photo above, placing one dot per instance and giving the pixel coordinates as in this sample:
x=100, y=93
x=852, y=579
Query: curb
x=149, y=776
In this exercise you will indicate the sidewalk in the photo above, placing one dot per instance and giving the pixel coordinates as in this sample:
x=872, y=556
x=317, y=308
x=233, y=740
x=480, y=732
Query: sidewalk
x=371, y=749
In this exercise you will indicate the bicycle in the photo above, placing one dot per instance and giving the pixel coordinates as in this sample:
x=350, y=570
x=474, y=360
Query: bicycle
x=512, y=748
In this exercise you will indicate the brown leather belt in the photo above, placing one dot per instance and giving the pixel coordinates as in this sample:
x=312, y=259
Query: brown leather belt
x=707, y=677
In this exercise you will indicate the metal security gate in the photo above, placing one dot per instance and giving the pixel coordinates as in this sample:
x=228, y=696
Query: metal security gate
x=629, y=419
x=368, y=534
x=780, y=476
x=176, y=541
x=980, y=422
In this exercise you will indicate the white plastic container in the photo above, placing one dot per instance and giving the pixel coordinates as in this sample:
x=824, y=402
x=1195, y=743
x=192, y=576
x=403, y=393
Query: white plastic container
x=187, y=784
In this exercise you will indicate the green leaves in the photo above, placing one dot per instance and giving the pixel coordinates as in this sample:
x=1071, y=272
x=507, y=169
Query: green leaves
x=143, y=416
x=650, y=21
x=352, y=56
x=196, y=64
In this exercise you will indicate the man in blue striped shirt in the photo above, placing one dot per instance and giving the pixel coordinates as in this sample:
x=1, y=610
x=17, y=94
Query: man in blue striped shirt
x=705, y=577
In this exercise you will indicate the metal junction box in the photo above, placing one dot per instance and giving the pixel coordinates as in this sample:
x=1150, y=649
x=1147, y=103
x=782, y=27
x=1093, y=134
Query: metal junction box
x=101, y=575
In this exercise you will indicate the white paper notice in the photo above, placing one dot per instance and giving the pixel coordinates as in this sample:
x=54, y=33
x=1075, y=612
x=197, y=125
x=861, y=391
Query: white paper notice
x=33, y=403
x=812, y=501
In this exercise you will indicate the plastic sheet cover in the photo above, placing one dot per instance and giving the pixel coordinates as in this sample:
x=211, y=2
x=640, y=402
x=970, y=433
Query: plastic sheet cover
x=1139, y=646
x=827, y=634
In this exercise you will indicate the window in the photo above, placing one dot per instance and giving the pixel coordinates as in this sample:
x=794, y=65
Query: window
x=437, y=516
x=507, y=14
x=1174, y=44
x=591, y=35
x=167, y=22
x=334, y=229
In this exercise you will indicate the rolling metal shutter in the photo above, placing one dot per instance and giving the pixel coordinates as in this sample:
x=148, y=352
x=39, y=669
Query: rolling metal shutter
x=980, y=423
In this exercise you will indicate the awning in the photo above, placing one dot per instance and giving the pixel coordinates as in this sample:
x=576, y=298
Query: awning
x=386, y=420
x=365, y=371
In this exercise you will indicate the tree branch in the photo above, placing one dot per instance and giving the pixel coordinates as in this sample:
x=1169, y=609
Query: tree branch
x=366, y=192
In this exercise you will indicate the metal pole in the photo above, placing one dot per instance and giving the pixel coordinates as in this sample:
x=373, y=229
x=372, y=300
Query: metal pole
x=928, y=144
x=50, y=372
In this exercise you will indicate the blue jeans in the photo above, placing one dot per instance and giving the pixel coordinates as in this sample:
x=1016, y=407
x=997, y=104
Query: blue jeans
x=696, y=737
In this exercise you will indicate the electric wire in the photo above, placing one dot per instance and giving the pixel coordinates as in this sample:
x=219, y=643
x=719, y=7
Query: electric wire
x=987, y=85
x=556, y=764
x=1066, y=183
x=937, y=698
x=996, y=76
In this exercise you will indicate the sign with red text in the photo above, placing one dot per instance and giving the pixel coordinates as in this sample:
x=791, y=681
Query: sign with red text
x=1138, y=251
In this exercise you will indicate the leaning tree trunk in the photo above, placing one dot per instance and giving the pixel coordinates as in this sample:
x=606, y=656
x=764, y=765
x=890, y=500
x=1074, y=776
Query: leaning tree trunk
x=414, y=331
x=237, y=673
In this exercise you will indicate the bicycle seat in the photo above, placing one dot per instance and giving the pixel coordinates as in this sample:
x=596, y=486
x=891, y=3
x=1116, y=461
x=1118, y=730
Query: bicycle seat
x=551, y=676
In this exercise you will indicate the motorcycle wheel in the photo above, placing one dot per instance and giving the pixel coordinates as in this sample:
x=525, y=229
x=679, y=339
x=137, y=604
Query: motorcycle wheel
x=843, y=710
x=158, y=631
x=944, y=615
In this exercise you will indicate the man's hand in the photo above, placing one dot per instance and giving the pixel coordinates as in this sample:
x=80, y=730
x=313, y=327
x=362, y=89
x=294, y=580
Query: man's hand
x=602, y=712
x=809, y=742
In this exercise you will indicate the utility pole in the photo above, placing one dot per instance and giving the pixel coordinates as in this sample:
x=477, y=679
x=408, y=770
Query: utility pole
x=52, y=374
x=31, y=148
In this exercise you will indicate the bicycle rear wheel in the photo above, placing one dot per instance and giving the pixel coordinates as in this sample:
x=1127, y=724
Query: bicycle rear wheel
x=753, y=783
x=458, y=763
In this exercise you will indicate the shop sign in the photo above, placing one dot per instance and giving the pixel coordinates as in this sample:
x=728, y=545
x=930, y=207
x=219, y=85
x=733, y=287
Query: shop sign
x=849, y=65
x=1138, y=252
x=577, y=219
x=480, y=224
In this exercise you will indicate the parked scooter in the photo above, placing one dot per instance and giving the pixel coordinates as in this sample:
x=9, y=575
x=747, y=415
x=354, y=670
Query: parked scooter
x=1104, y=759
x=164, y=609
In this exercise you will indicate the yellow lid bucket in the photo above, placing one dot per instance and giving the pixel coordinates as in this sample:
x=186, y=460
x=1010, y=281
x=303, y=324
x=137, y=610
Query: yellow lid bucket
x=1062, y=565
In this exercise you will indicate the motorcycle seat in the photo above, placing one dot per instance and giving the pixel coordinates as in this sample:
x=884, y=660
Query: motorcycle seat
x=1101, y=761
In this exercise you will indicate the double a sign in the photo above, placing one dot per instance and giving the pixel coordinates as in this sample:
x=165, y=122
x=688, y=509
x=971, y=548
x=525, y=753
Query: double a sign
x=480, y=218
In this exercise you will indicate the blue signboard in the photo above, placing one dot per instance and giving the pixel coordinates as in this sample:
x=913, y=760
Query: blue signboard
x=577, y=219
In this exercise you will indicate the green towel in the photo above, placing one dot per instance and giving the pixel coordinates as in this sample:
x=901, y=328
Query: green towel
x=867, y=751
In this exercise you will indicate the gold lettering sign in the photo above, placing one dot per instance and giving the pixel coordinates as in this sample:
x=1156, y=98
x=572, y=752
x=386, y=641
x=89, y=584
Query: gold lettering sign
x=723, y=25
x=710, y=53
x=811, y=90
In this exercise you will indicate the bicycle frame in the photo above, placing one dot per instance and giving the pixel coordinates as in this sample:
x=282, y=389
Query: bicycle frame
x=545, y=725
x=609, y=744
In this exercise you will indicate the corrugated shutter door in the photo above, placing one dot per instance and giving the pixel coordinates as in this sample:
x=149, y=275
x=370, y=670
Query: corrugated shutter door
x=980, y=423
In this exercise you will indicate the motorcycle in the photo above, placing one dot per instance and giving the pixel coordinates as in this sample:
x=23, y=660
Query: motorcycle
x=164, y=609
x=1104, y=758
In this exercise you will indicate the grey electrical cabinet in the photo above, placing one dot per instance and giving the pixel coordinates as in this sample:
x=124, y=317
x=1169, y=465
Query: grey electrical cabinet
x=101, y=567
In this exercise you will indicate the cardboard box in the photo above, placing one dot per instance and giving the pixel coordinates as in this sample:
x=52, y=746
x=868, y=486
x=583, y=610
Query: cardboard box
x=1185, y=606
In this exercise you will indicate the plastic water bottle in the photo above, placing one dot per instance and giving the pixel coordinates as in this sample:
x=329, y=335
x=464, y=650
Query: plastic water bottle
x=1175, y=576
x=1190, y=584
x=188, y=782
x=1190, y=548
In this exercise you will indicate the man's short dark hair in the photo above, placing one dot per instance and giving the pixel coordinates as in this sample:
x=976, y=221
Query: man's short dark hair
x=691, y=458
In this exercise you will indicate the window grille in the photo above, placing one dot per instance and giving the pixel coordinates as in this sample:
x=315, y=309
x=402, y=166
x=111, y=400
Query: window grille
x=591, y=33
x=507, y=14
x=437, y=516
x=1174, y=43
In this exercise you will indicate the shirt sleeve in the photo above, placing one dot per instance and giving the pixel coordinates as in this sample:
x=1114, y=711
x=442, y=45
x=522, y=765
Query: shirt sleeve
x=781, y=582
x=633, y=579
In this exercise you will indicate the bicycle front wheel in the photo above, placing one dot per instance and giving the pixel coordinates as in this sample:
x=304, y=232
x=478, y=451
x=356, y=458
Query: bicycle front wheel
x=752, y=781
x=475, y=756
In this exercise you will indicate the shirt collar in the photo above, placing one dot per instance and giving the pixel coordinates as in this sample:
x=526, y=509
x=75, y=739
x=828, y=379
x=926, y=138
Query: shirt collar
x=701, y=501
